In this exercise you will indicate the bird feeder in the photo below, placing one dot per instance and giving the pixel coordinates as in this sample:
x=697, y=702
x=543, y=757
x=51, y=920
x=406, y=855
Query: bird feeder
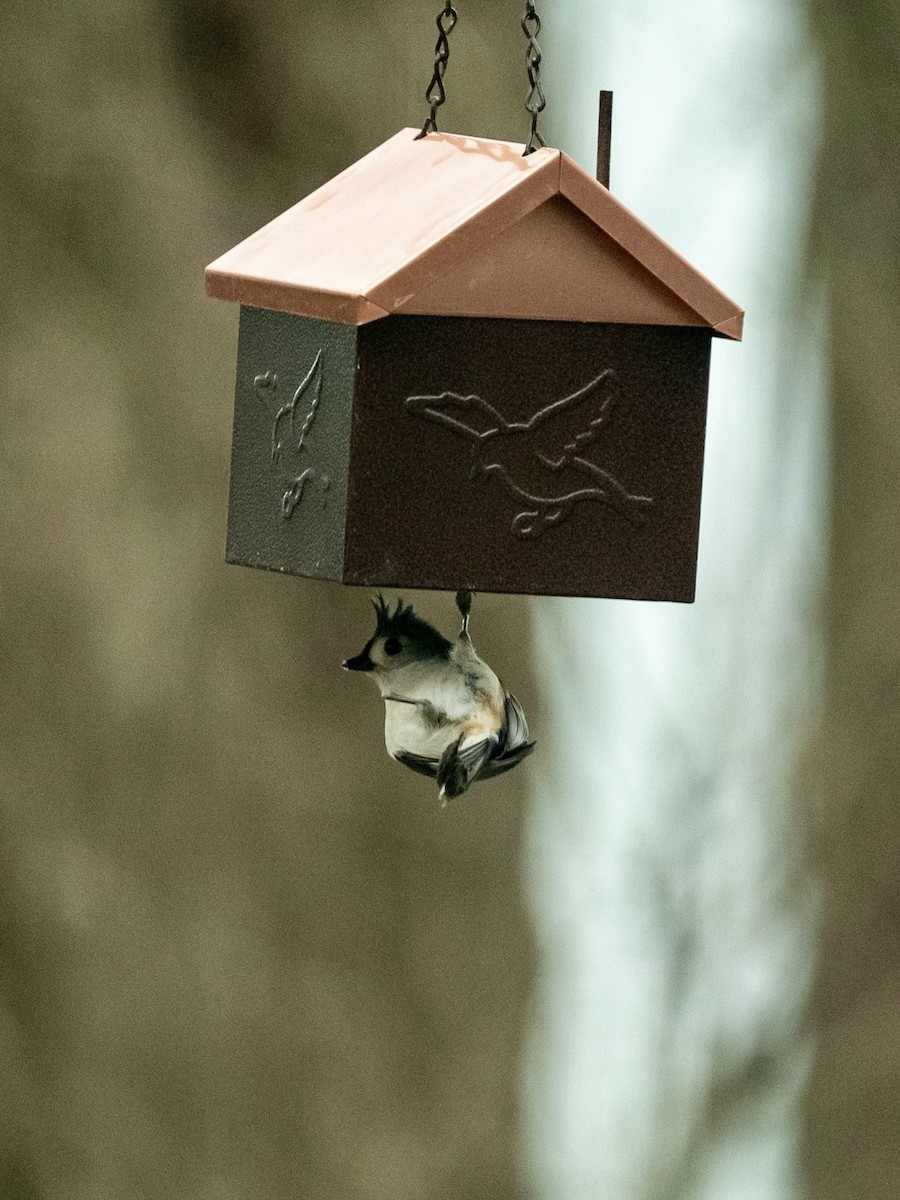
x=459, y=366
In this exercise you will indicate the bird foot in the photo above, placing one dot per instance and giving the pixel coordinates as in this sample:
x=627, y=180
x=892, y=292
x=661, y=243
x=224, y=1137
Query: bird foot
x=464, y=604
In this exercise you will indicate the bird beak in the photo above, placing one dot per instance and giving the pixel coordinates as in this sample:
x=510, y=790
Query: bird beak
x=362, y=662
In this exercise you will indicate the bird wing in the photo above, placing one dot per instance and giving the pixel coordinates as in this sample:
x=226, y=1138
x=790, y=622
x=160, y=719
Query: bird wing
x=514, y=744
x=506, y=761
x=569, y=424
x=514, y=731
x=467, y=415
x=458, y=769
x=418, y=763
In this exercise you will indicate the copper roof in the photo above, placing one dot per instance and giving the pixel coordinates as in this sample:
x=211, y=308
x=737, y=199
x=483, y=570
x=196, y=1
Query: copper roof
x=468, y=227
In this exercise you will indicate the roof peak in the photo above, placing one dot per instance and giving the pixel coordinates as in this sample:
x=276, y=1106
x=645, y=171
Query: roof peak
x=468, y=140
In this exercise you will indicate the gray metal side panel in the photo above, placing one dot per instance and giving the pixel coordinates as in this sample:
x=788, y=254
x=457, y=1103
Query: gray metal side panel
x=290, y=457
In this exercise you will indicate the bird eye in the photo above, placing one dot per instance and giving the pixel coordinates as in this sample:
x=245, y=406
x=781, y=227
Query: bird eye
x=393, y=646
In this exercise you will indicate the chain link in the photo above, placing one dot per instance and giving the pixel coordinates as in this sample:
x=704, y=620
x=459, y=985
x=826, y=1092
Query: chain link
x=436, y=95
x=535, y=102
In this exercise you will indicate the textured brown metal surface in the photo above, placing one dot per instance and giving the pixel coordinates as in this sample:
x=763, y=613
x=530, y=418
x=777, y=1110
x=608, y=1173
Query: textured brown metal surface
x=513, y=456
x=604, y=137
x=396, y=223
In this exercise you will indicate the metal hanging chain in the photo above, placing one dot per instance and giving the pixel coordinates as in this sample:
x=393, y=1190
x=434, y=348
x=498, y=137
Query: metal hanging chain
x=535, y=102
x=435, y=95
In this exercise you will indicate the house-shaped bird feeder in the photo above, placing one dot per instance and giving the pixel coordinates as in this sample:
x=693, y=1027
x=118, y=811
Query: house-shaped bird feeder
x=462, y=366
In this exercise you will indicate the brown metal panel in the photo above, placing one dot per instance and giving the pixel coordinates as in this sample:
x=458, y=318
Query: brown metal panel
x=651, y=251
x=553, y=264
x=604, y=137
x=549, y=458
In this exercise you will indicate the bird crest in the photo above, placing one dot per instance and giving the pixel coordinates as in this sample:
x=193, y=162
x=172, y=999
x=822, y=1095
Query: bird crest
x=404, y=622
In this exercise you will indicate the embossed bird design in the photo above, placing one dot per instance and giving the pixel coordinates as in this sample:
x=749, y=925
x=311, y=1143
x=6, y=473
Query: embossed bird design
x=289, y=434
x=540, y=461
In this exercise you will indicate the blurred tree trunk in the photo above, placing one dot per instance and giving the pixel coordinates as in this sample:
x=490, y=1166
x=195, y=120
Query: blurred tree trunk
x=854, y=1098
x=672, y=891
x=243, y=954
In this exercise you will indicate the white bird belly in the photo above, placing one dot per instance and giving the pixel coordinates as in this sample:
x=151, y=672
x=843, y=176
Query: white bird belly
x=406, y=729
x=415, y=729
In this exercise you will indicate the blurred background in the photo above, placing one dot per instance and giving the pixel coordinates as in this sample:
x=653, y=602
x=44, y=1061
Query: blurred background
x=241, y=952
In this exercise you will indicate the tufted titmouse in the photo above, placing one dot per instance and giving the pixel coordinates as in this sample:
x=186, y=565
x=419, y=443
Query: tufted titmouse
x=447, y=715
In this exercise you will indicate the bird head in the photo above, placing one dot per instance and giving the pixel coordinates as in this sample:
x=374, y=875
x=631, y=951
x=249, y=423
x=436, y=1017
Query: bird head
x=400, y=639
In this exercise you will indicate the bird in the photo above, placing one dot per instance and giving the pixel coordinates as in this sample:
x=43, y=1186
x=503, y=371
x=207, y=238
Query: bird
x=541, y=460
x=447, y=715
